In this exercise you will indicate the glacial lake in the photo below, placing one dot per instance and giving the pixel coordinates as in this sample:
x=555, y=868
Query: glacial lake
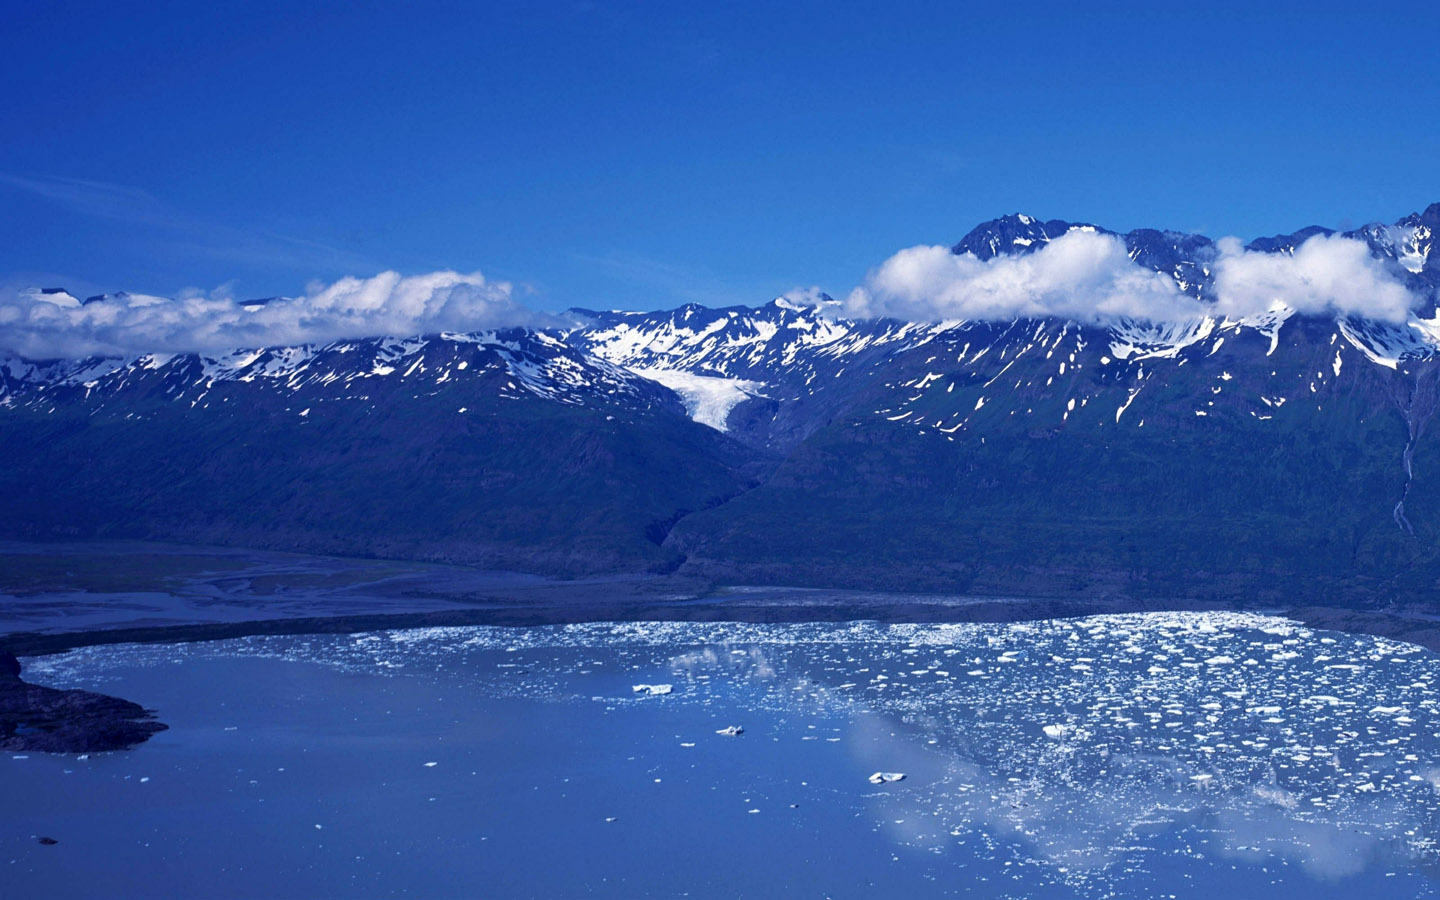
x=1147, y=755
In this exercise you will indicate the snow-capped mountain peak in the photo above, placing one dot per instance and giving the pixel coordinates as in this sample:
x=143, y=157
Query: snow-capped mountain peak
x=773, y=373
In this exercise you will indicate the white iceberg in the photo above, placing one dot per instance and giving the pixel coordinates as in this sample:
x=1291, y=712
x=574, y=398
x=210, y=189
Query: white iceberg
x=886, y=777
x=652, y=690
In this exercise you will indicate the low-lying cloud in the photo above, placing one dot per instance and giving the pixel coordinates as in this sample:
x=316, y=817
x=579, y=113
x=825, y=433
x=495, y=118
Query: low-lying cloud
x=1083, y=275
x=1328, y=274
x=40, y=325
x=1080, y=275
x=811, y=296
x=1089, y=276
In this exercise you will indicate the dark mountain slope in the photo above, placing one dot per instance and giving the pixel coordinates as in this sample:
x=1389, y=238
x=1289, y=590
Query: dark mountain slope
x=472, y=469
x=1213, y=474
x=1212, y=458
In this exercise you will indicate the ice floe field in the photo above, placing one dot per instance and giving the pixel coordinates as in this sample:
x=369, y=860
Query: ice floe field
x=1156, y=754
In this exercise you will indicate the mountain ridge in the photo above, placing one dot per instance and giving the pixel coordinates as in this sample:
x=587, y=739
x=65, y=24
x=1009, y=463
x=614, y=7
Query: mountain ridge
x=789, y=443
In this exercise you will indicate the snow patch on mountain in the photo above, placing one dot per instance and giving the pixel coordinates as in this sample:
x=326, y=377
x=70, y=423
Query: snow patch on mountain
x=1135, y=340
x=536, y=363
x=1386, y=344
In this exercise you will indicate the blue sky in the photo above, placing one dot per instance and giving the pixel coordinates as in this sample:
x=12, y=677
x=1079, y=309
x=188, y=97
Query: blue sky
x=645, y=155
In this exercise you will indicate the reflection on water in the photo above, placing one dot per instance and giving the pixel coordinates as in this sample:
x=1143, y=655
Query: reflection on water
x=1098, y=743
x=1124, y=754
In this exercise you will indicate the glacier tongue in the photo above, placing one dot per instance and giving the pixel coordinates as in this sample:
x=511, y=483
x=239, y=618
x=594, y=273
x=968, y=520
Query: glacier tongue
x=708, y=398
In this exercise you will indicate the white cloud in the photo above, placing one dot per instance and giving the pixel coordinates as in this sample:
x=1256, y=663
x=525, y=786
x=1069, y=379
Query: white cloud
x=1081, y=275
x=1325, y=275
x=803, y=297
x=39, y=325
x=1089, y=277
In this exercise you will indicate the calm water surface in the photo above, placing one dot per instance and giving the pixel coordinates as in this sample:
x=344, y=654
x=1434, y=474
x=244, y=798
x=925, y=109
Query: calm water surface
x=1153, y=755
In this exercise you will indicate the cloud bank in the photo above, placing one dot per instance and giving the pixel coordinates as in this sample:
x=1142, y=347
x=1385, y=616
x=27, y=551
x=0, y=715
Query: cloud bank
x=1080, y=275
x=1088, y=276
x=1083, y=275
x=40, y=325
x=1325, y=275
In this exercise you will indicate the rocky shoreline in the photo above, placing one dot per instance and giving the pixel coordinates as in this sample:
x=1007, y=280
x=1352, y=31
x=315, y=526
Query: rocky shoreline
x=35, y=718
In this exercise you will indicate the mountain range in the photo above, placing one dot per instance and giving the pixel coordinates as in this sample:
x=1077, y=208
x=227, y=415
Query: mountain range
x=1271, y=457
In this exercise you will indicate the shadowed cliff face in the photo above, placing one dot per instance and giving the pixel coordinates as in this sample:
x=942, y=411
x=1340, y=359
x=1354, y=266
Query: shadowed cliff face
x=46, y=720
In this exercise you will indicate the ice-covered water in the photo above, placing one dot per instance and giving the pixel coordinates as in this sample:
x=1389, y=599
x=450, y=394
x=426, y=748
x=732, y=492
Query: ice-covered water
x=1139, y=755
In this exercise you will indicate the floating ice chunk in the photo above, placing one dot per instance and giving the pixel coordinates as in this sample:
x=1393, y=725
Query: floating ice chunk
x=886, y=777
x=431, y=765
x=652, y=690
x=731, y=730
x=1054, y=731
x=1386, y=710
x=1219, y=661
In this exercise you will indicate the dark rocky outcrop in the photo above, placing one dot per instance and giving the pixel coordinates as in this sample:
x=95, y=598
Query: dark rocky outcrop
x=48, y=720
